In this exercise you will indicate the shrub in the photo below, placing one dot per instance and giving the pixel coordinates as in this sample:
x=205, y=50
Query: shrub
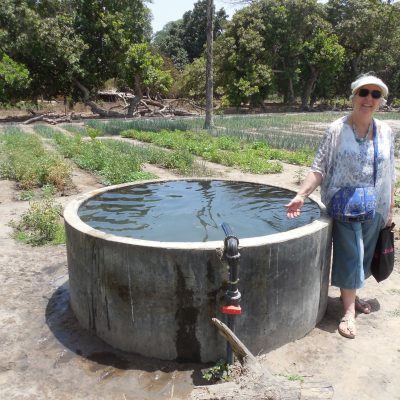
x=40, y=224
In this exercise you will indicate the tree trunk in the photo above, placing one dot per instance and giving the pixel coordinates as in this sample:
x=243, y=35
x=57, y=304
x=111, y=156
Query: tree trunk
x=308, y=89
x=291, y=97
x=209, y=121
x=355, y=62
x=93, y=106
x=133, y=103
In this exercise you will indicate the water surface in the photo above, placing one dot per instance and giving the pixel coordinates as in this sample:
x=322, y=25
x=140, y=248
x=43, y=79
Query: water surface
x=193, y=211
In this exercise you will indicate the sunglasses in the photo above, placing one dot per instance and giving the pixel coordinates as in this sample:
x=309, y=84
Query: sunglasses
x=376, y=94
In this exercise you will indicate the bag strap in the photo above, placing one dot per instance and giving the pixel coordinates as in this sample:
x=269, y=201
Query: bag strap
x=375, y=139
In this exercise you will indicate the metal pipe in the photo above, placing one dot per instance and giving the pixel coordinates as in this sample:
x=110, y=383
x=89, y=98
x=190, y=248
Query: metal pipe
x=232, y=295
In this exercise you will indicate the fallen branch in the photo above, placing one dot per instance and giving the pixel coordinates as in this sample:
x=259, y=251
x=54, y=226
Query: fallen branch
x=181, y=113
x=240, y=350
x=34, y=119
x=50, y=118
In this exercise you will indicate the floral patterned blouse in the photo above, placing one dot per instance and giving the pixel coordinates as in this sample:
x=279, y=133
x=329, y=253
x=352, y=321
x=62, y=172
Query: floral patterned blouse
x=342, y=161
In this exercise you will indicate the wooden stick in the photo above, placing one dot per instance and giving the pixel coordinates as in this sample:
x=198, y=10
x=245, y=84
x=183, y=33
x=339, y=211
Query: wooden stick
x=240, y=350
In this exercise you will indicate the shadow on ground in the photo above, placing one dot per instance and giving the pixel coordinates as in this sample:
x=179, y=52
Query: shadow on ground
x=66, y=329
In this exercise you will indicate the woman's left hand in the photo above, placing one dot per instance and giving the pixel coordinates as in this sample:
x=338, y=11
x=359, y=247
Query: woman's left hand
x=294, y=206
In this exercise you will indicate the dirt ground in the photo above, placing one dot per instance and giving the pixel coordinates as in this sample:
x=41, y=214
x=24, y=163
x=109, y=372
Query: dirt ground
x=46, y=355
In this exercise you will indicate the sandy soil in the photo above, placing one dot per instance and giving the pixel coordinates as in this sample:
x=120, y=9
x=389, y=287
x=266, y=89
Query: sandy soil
x=46, y=355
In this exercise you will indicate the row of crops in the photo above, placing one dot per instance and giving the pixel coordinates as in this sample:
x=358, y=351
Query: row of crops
x=116, y=161
x=256, y=144
x=281, y=131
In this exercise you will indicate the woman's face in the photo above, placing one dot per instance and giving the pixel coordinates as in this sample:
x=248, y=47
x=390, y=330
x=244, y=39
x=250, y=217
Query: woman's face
x=366, y=105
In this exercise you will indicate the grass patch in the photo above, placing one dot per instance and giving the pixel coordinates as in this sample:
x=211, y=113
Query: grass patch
x=40, y=224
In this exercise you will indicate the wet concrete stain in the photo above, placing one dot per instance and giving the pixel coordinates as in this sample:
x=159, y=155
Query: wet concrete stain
x=187, y=344
x=63, y=357
x=107, y=313
x=210, y=272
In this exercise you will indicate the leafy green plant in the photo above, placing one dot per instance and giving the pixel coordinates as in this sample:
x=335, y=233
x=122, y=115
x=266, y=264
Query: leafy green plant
x=40, y=224
x=115, y=162
x=220, y=371
x=299, y=175
x=180, y=160
x=93, y=133
x=49, y=190
x=25, y=195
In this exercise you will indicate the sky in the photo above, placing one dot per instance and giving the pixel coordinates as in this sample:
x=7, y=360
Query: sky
x=166, y=10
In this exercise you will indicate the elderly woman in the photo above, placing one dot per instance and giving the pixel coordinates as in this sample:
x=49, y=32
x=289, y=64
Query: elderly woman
x=356, y=154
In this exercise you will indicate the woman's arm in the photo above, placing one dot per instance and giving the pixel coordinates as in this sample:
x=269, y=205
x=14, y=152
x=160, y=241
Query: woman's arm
x=312, y=181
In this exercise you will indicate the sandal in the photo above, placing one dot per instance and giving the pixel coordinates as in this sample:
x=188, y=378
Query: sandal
x=347, y=326
x=362, y=306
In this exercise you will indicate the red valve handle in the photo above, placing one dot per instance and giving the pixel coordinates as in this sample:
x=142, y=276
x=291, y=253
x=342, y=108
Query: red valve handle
x=232, y=310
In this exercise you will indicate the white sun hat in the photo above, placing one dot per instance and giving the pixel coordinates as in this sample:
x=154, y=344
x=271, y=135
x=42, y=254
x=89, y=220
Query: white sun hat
x=369, y=80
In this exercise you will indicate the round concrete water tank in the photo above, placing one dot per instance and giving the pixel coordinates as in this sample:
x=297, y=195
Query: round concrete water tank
x=157, y=298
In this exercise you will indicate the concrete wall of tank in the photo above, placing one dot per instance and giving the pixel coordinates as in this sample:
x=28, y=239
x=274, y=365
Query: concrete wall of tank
x=157, y=298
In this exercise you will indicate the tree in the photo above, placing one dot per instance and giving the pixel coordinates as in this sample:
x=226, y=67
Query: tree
x=66, y=42
x=41, y=36
x=383, y=55
x=244, y=60
x=322, y=59
x=169, y=43
x=277, y=45
x=350, y=19
x=108, y=28
x=183, y=41
x=14, y=79
x=144, y=70
x=192, y=80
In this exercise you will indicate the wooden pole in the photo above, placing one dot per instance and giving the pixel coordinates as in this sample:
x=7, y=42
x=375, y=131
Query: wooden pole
x=209, y=121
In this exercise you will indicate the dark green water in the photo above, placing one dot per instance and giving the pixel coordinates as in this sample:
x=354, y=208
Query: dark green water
x=193, y=211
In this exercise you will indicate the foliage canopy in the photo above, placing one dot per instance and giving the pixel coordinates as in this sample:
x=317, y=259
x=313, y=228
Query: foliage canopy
x=290, y=48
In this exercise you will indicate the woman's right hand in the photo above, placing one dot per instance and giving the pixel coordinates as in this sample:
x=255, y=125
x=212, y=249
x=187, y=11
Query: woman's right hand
x=294, y=206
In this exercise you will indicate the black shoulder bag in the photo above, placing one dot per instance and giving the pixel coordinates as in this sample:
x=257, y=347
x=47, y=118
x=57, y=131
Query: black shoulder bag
x=383, y=260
